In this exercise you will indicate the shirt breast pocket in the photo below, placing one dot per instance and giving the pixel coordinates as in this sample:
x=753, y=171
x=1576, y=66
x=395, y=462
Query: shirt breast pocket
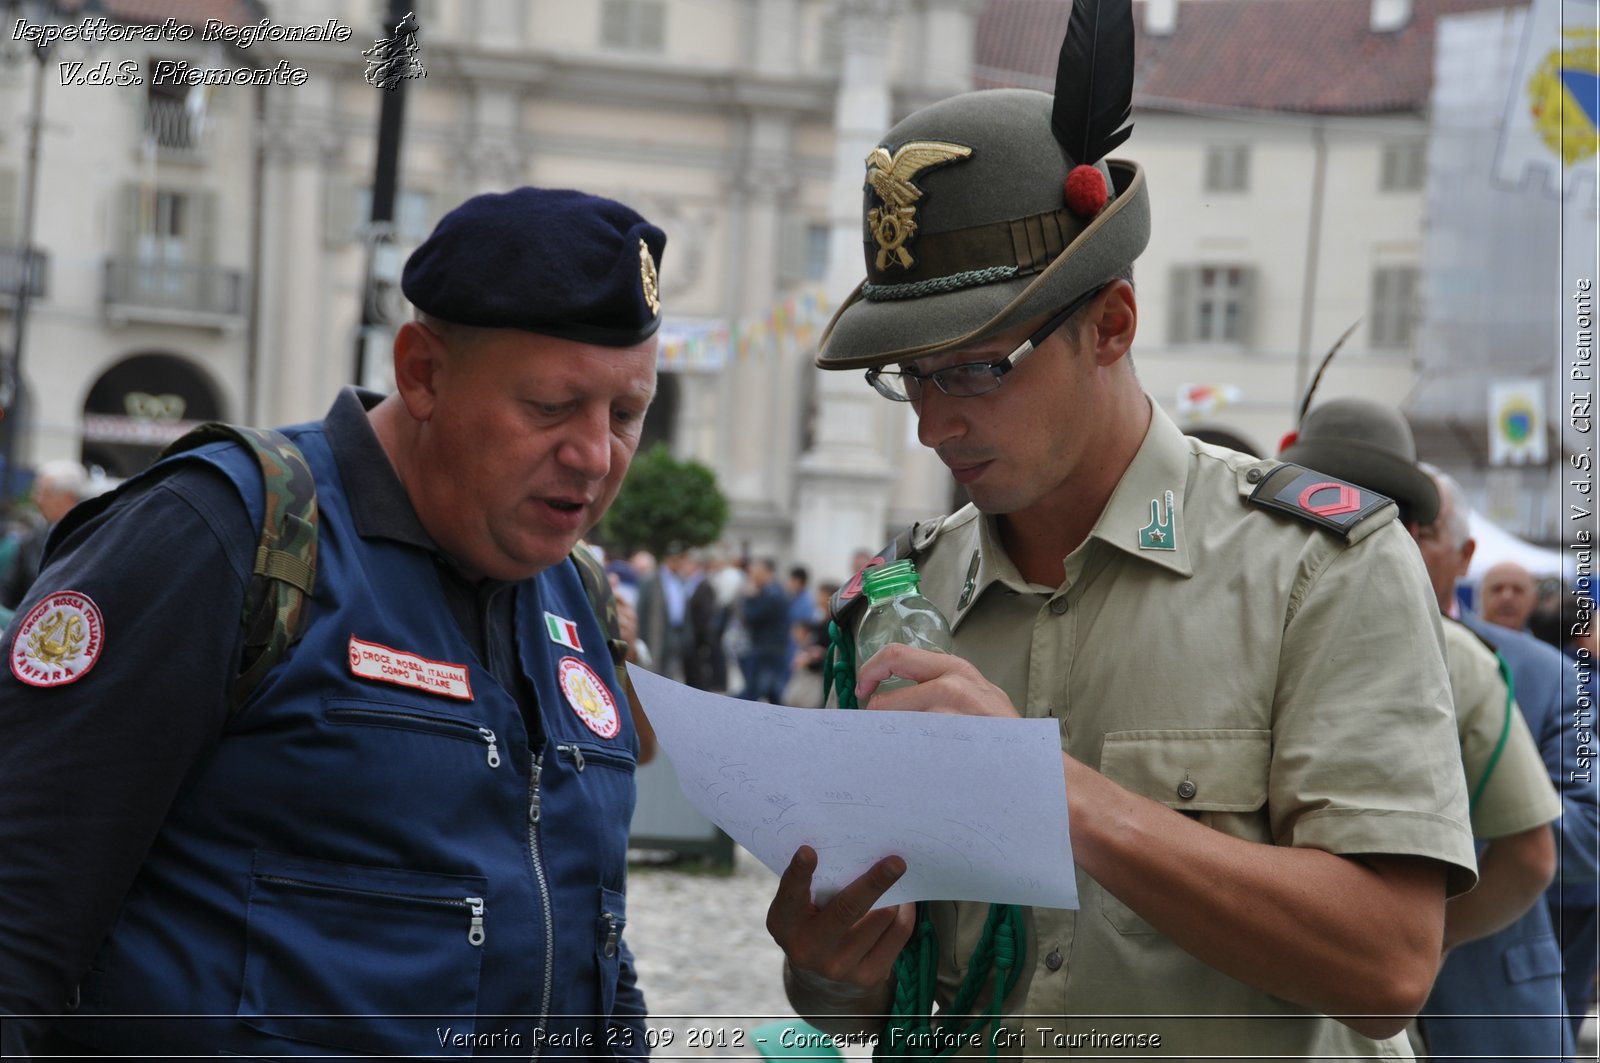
x=1217, y=776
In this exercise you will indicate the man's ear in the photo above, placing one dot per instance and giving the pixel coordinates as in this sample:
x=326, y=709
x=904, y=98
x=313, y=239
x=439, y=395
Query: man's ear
x=419, y=355
x=1114, y=317
x=1468, y=548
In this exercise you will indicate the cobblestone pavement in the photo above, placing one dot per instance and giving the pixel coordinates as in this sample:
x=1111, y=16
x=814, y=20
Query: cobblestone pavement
x=711, y=974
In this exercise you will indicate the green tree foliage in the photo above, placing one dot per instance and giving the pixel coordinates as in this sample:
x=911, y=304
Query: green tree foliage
x=665, y=505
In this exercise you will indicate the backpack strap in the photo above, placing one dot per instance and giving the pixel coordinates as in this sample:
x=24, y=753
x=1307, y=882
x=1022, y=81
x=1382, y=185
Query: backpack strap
x=284, y=573
x=597, y=586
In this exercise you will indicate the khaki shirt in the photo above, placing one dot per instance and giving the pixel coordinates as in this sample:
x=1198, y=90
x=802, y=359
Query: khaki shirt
x=1518, y=795
x=1262, y=675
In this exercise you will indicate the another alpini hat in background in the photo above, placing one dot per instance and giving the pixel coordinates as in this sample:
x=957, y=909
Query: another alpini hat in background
x=990, y=209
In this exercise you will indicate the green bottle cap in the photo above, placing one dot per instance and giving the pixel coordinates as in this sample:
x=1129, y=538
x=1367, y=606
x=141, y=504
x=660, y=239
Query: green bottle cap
x=882, y=582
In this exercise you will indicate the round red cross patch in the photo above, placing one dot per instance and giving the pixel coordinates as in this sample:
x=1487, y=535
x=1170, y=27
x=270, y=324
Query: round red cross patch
x=58, y=641
x=586, y=692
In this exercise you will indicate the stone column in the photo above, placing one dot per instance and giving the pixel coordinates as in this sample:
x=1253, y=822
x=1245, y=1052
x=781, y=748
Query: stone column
x=844, y=482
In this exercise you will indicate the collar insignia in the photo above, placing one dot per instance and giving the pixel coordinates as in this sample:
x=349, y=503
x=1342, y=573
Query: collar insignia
x=1159, y=534
x=971, y=584
x=890, y=177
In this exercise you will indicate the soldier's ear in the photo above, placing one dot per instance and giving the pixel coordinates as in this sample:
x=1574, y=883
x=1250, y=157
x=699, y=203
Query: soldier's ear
x=419, y=355
x=1113, y=319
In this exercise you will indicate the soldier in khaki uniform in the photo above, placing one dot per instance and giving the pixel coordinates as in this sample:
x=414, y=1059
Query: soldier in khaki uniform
x=1266, y=797
x=1512, y=801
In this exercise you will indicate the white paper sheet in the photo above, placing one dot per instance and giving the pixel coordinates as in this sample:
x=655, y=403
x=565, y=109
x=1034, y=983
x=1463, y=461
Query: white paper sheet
x=976, y=807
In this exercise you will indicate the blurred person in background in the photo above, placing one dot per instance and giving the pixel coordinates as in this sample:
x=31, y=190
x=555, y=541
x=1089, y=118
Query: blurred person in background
x=764, y=611
x=1507, y=594
x=1498, y=992
x=57, y=487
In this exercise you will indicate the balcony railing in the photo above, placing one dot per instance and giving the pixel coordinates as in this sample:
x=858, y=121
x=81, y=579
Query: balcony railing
x=169, y=292
x=18, y=268
x=173, y=127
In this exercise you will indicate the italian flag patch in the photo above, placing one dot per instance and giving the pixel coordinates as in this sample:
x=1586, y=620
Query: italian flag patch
x=563, y=631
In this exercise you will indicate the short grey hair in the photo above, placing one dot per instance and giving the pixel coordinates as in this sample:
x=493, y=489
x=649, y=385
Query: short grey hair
x=1458, y=524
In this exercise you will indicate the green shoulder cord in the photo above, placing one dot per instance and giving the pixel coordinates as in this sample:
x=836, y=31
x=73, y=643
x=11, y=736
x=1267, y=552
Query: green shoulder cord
x=910, y=1032
x=1505, y=733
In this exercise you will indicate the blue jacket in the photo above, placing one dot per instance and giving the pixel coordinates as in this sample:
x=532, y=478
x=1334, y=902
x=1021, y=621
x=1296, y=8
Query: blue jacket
x=1505, y=989
x=375, y=855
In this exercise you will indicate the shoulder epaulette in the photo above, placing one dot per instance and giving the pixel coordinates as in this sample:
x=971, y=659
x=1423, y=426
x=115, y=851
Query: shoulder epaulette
x=846, y=602
x=284, y=572
x=1319, y=498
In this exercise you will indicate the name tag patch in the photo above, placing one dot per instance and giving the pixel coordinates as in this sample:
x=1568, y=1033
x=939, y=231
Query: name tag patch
x=369, y=660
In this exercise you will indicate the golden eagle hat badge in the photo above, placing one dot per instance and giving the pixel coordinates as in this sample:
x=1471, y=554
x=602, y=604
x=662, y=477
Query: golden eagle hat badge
x=891, y=178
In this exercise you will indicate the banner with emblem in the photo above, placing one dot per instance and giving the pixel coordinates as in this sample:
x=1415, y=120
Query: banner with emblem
x=1517, y=422
x=1550, y=118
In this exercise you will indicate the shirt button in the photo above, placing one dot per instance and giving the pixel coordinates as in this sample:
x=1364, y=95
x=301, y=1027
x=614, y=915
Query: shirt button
x=1058, y=606
x=1053, y=961
x=1186, y=789
x=1254, y=476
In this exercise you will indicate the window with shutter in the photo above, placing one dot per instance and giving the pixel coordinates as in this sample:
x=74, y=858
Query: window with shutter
x=1212, y=303
x=633, y=25
x=1404, y=166
x=1227, y=168
x=1394, y=306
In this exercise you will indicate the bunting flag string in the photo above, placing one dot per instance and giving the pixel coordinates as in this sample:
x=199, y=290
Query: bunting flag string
x=707, y=345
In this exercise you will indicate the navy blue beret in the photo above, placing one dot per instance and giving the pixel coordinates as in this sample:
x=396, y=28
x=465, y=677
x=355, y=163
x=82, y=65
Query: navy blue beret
x=553, y=261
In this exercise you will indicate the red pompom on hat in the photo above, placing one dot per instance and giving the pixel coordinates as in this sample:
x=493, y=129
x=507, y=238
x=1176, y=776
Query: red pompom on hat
x=1085, y=188
x=1289, y=440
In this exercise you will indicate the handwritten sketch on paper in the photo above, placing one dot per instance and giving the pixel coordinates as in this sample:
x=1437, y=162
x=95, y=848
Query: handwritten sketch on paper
x=977, y=807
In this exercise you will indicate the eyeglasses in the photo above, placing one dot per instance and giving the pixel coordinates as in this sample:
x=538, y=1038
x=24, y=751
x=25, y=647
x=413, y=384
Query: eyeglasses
x=970, y=378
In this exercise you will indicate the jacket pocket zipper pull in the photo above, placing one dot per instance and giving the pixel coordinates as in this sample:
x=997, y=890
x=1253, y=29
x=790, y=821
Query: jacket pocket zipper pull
x=494, y=748
x=610, y=949
x=577, y=756
x=475, y=932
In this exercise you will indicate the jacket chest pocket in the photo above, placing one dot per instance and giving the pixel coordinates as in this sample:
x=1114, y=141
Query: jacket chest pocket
x=398, y=952
x=1217, y=776
x=366, y=712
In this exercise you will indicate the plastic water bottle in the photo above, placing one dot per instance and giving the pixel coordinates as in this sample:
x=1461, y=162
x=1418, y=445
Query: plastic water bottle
x=897, y=612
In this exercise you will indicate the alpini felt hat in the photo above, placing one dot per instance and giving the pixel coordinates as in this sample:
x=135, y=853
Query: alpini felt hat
x=558, y=262
x=979, y=217
x=1370, y=445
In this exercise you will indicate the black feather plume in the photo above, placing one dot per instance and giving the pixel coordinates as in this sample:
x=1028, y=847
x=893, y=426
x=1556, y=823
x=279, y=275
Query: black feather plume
x=1322, y=367
x=1094, y=80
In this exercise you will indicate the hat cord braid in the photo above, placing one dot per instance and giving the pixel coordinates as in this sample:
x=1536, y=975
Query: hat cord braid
x=938, y=285
x=909, y=1033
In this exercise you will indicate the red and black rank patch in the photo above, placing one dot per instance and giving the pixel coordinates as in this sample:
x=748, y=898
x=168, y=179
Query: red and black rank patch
x=1318, y=498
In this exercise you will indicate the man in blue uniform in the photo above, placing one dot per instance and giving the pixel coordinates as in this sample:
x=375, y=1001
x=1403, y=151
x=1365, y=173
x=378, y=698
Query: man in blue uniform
x=411, y=837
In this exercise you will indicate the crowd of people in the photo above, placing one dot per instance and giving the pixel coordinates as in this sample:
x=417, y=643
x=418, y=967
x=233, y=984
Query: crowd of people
x=316, y=741
x=724, y=623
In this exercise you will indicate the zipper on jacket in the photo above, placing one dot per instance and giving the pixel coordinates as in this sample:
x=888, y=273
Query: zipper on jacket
x=473, y=906
x=581, y=759
x=435, y=724
x=610, y=948
x=544, y=895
